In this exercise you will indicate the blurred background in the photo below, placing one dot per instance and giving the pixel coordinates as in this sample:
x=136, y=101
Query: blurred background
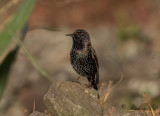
x=125, y=35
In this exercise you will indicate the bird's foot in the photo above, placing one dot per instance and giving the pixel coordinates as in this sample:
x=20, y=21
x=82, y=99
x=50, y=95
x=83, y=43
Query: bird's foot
x=88, y=86
x=78, y=79
x=76, y=82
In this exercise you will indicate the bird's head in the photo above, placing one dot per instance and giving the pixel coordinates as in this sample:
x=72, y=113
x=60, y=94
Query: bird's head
x=80, y=38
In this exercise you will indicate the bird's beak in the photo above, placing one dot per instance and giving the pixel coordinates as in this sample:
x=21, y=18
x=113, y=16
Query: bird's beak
x=71, y=35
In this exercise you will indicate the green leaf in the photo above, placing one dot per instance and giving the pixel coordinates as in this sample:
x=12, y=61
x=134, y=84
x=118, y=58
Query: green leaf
x=16, y=24
x=5, y=68
x=6, y=36
x=7, y=63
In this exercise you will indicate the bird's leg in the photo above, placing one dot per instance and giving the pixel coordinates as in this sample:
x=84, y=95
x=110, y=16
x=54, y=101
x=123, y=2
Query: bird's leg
x=78, y=79
x=90, y=83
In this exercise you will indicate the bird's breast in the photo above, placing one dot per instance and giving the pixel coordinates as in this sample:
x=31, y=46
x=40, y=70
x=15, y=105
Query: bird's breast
x=78, y=54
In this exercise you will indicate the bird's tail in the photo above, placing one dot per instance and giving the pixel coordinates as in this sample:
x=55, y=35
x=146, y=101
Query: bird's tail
x=93, y=82
x=95, y=86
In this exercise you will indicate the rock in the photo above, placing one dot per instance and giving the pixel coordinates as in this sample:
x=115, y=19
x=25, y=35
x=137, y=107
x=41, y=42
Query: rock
x=36, y=113
x=70, y=98
x=136, y=113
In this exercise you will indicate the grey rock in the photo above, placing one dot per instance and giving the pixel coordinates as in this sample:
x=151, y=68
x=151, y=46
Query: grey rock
x=72, y=99
x=36, y=113
x=136, y=113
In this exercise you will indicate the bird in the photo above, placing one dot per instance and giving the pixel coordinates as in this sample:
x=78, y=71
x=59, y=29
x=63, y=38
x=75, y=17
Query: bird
x=83, y=57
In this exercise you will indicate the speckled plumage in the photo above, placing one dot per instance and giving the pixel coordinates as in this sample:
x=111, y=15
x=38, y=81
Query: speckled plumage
x=83, y=57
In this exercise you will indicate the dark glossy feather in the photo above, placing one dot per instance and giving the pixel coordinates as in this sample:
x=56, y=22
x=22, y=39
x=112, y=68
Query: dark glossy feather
x=94, y=55
x=83, y=57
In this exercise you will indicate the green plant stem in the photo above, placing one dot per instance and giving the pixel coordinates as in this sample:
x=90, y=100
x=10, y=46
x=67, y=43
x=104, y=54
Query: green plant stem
x=33, y=60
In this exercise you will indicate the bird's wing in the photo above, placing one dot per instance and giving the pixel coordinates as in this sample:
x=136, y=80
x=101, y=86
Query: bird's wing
x=94, y=55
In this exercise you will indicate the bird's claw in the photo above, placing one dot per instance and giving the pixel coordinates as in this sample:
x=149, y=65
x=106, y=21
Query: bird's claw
x=88, y=86
x=77, y=82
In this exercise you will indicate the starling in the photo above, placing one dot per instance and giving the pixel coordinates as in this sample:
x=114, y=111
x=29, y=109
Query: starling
x=83, y=57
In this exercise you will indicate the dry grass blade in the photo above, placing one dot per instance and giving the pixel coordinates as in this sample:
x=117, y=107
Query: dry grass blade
x=147, y=100
x=110, y=88
x=47, y=27
x=58, y=3
x=15, y=24
x=157, y=112
x=152, y=110
x=10, y=4
x=108, y=91
x=34, y=105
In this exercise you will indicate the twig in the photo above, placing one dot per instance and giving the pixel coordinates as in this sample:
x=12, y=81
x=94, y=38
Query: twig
x=34, y=105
